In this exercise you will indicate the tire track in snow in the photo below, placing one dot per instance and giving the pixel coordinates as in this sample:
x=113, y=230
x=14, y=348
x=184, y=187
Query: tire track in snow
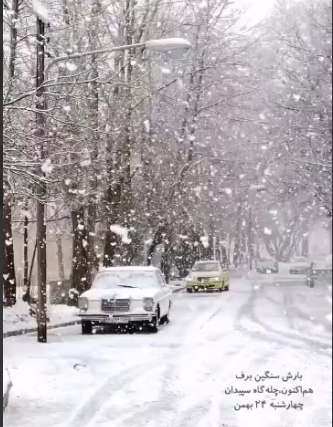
x=294, y=312
x=88, y=416
x=215, y=312
x=168, y=397
x=279, y=337
x=83, y=416
x=199, y=409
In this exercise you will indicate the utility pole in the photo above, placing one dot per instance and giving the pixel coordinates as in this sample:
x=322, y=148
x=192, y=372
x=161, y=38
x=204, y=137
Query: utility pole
x=41, y=186
x=250, y=239
x=25, y=250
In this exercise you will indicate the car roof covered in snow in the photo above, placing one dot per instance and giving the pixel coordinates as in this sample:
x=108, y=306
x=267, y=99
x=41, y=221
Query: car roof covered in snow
x=130, y=269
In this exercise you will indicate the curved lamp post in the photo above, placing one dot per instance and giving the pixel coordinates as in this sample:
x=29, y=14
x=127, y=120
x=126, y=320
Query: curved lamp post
x=174, y=46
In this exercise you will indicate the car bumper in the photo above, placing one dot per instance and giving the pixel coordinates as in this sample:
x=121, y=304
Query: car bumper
x=116, y=319
x=209, y=286
x=267, y=270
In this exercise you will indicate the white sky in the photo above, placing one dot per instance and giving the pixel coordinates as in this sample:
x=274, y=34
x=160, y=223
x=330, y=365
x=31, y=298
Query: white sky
x=258, y=8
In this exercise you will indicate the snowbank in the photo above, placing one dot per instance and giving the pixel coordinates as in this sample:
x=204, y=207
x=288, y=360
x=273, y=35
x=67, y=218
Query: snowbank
x=7, y=385
x=17, y=318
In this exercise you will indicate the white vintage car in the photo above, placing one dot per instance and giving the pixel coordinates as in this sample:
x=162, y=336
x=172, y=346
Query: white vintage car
x=128, y=296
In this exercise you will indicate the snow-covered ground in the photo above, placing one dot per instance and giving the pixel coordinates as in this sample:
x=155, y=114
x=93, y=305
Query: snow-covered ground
x=6, y=381
x=18, y=317
x=180, y=376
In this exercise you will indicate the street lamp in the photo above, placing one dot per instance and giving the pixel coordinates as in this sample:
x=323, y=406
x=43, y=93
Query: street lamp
x=172, y=46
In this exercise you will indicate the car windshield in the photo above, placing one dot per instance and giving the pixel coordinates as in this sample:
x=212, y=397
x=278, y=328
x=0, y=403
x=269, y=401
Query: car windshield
x=206, y=266
x=125, y=279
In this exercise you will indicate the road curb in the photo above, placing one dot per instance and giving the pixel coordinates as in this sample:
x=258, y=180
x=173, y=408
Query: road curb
x=60, y=325
x=31, y=330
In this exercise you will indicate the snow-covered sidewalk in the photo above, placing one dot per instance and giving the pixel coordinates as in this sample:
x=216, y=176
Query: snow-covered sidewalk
x=17, y=320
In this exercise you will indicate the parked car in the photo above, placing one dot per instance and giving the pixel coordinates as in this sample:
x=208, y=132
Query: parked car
x=319, y=272
x=126, y=296
x=208, y=276
x=267, y=266
x=300, y=265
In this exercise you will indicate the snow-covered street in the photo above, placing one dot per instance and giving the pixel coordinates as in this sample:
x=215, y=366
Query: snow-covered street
x=179, y=377
x=167, y=169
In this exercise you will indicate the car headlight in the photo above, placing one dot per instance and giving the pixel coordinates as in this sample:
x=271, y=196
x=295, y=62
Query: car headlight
x=83, y=304
x=148, y=304
x=215, y=279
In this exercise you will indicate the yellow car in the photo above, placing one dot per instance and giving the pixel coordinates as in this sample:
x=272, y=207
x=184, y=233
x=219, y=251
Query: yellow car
x=208, y=276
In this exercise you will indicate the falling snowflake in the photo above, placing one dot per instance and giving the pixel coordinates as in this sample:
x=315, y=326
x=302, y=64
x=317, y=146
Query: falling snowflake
x=47, y=167
x=85, y=163
x=258, y=187
x=267, y=231
x=122, y=232
x=71, y=66
x=180, y=84
x=205, y=241
x=166, y=71
x=146, y=124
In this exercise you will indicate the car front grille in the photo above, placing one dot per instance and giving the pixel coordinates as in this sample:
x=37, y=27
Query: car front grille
x=116, y=305
x=205, y=279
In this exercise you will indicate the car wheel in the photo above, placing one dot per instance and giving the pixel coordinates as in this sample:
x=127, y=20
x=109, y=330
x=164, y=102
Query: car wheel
x=86, y=327
x=189, y=291
x=226, y=288
x=312, y=284
x=155, y=323
x=166, y=319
